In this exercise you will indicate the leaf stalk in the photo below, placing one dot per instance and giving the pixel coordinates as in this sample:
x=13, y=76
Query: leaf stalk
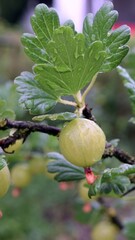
x=89, y=88
x=66, y=102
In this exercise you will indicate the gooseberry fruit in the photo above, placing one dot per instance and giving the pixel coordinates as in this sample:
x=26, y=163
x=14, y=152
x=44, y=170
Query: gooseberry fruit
x=20, y=175
x=104, y=230
x=37, y=165
x=4, y=180
x=82, y=142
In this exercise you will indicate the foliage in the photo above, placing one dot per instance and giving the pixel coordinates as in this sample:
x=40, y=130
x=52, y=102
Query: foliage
x=66, y=61
x=114, y=181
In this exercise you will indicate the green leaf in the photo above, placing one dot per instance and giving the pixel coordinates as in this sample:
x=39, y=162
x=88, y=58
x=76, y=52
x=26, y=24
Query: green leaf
x=66, y=61
x=8, y=113
x=124, y=169
x=129, y=83
x=33, y=98
x=64, y=64
x=65, y=171
x=112, y=182
x=99, y=28
x=5, y=112
x=65, y=116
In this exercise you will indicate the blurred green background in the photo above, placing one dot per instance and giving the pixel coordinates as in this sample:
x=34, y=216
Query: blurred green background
x=43, y=210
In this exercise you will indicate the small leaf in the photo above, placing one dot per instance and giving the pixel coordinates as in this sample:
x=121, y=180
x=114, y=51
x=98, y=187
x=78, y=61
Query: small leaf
x=124, y=169
x=114, y=142
x=129, y=83
x=5, y=112
x=65, y=171
x=65, y=116
x=112, y=182
x=33, y=98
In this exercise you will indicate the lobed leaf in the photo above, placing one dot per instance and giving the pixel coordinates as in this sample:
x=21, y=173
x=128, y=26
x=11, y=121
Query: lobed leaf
x=114, y=187
x=113, y=181
x=65, y=171
x=129, y=83
x=33, y=98
x=124, y=169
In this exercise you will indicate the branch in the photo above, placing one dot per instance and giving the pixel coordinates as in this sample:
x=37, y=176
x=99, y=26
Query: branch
x=111, y=151
x=22, y=131
x=30, y=126
x=24, y=128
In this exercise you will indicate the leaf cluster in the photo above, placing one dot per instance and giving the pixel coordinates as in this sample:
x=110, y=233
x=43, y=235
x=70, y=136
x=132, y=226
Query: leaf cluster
x=112, y=182
x=66, y=61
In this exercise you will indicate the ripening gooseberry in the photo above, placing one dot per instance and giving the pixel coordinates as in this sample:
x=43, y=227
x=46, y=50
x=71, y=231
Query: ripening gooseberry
x=20, y=175
x=82, y=142
x=104, y=230
x=4, y=180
